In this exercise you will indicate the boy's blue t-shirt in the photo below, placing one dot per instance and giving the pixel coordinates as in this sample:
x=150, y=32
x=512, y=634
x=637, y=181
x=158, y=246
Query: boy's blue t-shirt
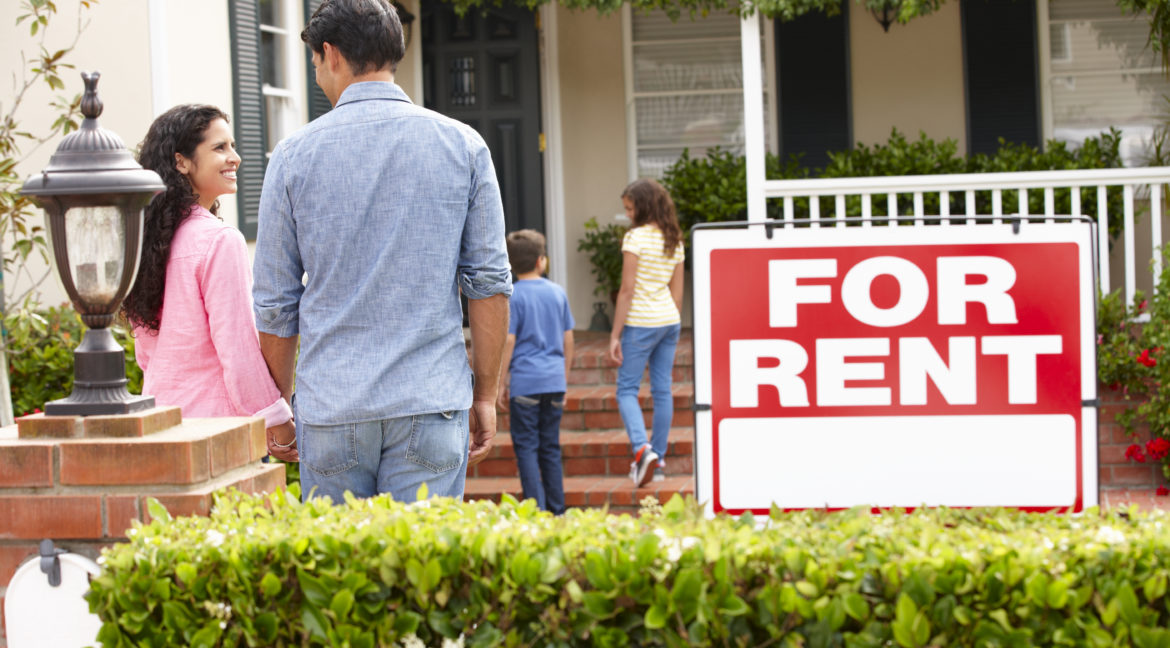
x=540, y=316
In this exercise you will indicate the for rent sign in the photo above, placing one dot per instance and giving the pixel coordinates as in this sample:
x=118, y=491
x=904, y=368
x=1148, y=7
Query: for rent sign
x=895, y=366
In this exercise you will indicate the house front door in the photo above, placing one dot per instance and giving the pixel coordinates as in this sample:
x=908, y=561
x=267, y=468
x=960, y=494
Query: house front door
x=484, y=70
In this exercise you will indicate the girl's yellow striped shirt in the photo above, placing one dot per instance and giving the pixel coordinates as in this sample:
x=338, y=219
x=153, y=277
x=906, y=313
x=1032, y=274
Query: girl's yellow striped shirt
x=652, y=304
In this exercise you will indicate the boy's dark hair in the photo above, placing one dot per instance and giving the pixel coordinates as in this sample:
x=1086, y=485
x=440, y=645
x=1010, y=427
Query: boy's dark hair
x=368, y=33
x=525, y=247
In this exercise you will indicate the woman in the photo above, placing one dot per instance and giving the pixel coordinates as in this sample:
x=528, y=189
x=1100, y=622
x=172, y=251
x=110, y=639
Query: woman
x=191, y=305
x=646, y=321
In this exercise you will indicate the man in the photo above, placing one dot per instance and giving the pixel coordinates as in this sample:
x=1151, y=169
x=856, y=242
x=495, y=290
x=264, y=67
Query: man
x=373, y=218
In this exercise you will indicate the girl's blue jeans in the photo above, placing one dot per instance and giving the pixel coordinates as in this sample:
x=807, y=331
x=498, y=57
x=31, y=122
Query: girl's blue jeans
x=641, y=347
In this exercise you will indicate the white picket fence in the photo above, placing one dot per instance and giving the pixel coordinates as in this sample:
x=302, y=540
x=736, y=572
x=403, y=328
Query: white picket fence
x=1141, y=206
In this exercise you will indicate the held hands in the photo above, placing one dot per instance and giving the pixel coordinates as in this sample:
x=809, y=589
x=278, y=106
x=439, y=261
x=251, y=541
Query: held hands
x=282, y=442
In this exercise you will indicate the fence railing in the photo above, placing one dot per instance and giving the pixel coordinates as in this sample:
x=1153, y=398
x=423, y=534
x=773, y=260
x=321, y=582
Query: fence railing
x=1118, y=199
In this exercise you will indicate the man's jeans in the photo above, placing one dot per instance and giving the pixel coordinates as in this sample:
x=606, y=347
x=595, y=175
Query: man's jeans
x=394, y=456
x=536, y=439
x=642, y=345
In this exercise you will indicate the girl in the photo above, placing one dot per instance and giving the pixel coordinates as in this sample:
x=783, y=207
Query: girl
x=646, y=320
x=191, y=305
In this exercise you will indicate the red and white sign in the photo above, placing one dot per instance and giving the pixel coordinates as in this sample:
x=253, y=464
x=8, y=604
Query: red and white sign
x=895, y=366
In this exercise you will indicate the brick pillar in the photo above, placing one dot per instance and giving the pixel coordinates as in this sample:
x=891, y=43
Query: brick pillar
x=81, y=481
x=1117, y=472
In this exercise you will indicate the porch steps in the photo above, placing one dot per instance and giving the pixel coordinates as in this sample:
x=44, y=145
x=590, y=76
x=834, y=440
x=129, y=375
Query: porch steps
x=595, y=451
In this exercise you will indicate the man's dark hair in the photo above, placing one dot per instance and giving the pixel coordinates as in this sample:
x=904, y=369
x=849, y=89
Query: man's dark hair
x=366, y=32
x=525, y=247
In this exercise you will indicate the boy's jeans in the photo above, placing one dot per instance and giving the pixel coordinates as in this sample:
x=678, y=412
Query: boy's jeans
x=536, y=439
x=394, y=456
x=642, y=345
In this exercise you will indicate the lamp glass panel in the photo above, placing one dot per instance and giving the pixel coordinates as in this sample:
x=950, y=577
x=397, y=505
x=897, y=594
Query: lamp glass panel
x=95, y=238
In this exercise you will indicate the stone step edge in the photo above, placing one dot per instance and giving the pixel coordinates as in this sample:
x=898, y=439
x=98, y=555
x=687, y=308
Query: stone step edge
x=592, y=492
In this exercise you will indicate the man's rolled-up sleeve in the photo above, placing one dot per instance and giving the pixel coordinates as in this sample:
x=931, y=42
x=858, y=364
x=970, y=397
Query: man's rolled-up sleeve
x=277, y=268
x=483, y=259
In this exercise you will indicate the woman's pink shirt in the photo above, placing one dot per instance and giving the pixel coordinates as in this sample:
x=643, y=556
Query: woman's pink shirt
x=206, y=357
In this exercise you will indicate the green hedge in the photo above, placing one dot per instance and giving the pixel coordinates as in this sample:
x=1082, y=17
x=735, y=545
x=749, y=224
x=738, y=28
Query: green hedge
x=378, y=573
x=39, y=347
x=713, y=188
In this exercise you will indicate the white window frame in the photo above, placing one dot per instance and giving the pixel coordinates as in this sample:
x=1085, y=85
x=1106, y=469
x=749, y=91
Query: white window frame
x=291, y=111
x=1044, y=44
x=631, y=96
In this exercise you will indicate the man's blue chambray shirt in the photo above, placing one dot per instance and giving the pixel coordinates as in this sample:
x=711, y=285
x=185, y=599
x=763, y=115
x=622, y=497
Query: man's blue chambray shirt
x=389, y=209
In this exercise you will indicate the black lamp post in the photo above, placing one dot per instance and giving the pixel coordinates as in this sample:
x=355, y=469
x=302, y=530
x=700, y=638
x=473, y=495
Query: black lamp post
x=93, y=194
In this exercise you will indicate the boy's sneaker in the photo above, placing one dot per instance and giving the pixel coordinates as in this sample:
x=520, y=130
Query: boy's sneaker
x=659, y=474
x=644, y=460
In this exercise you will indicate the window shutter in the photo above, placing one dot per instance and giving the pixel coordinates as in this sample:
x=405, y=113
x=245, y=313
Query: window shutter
x=248, y=110
x=813, y=70
x=318, y=102
x=999, y=51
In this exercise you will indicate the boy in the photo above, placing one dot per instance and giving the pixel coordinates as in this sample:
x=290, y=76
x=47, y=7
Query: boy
x=537, y=355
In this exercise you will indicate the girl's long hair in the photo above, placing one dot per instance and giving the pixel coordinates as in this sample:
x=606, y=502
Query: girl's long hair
x=652, y=205
x=178, y=130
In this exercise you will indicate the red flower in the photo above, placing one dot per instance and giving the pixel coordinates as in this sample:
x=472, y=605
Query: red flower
x=1145, y=358
x=1134, y=453
x=1162, y=491
x=1157, y=448
x=1142, y=306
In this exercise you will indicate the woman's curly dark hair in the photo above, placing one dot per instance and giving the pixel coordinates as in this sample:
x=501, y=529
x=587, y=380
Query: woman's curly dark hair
x=178, y=130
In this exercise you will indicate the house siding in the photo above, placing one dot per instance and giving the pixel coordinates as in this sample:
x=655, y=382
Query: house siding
x=910, y=78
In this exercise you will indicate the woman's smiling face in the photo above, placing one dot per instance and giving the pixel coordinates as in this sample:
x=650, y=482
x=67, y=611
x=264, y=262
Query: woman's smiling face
x=212, y=169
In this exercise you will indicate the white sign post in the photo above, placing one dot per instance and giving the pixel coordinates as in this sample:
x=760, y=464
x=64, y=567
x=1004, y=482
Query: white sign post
x=895, y=367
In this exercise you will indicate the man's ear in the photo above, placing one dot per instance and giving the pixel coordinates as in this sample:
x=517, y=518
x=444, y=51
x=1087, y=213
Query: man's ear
x=330, y=55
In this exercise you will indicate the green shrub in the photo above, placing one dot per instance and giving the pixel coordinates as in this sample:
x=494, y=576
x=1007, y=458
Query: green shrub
x=275, y=572
x=1132, y=360
x=39, y=348
x=713, y=189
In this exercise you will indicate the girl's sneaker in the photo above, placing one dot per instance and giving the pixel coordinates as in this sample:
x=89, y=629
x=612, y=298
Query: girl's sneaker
x=659, y=474
x=644, y=460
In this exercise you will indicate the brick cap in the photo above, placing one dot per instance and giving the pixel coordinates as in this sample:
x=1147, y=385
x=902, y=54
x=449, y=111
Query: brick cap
x=136, y=424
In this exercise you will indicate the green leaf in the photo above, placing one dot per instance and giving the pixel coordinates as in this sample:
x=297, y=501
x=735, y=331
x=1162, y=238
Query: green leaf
x=904, y=626
x=314, y=621
x=598, y=604
x=157, y=510
x=807, y=589
x=270, y=585
x=856, y=606
x=1155, y=587
x=407, y=622
x=656, y=616
x=207, y=637
x=314, y=590
x=341, y=604
x=186, y=573
x=265, y=625
x=1127, y=604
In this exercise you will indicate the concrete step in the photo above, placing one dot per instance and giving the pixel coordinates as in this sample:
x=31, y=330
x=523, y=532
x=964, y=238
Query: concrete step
x=594, y=407
x=616, y=493
x=592, y=366
x=600, y=453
